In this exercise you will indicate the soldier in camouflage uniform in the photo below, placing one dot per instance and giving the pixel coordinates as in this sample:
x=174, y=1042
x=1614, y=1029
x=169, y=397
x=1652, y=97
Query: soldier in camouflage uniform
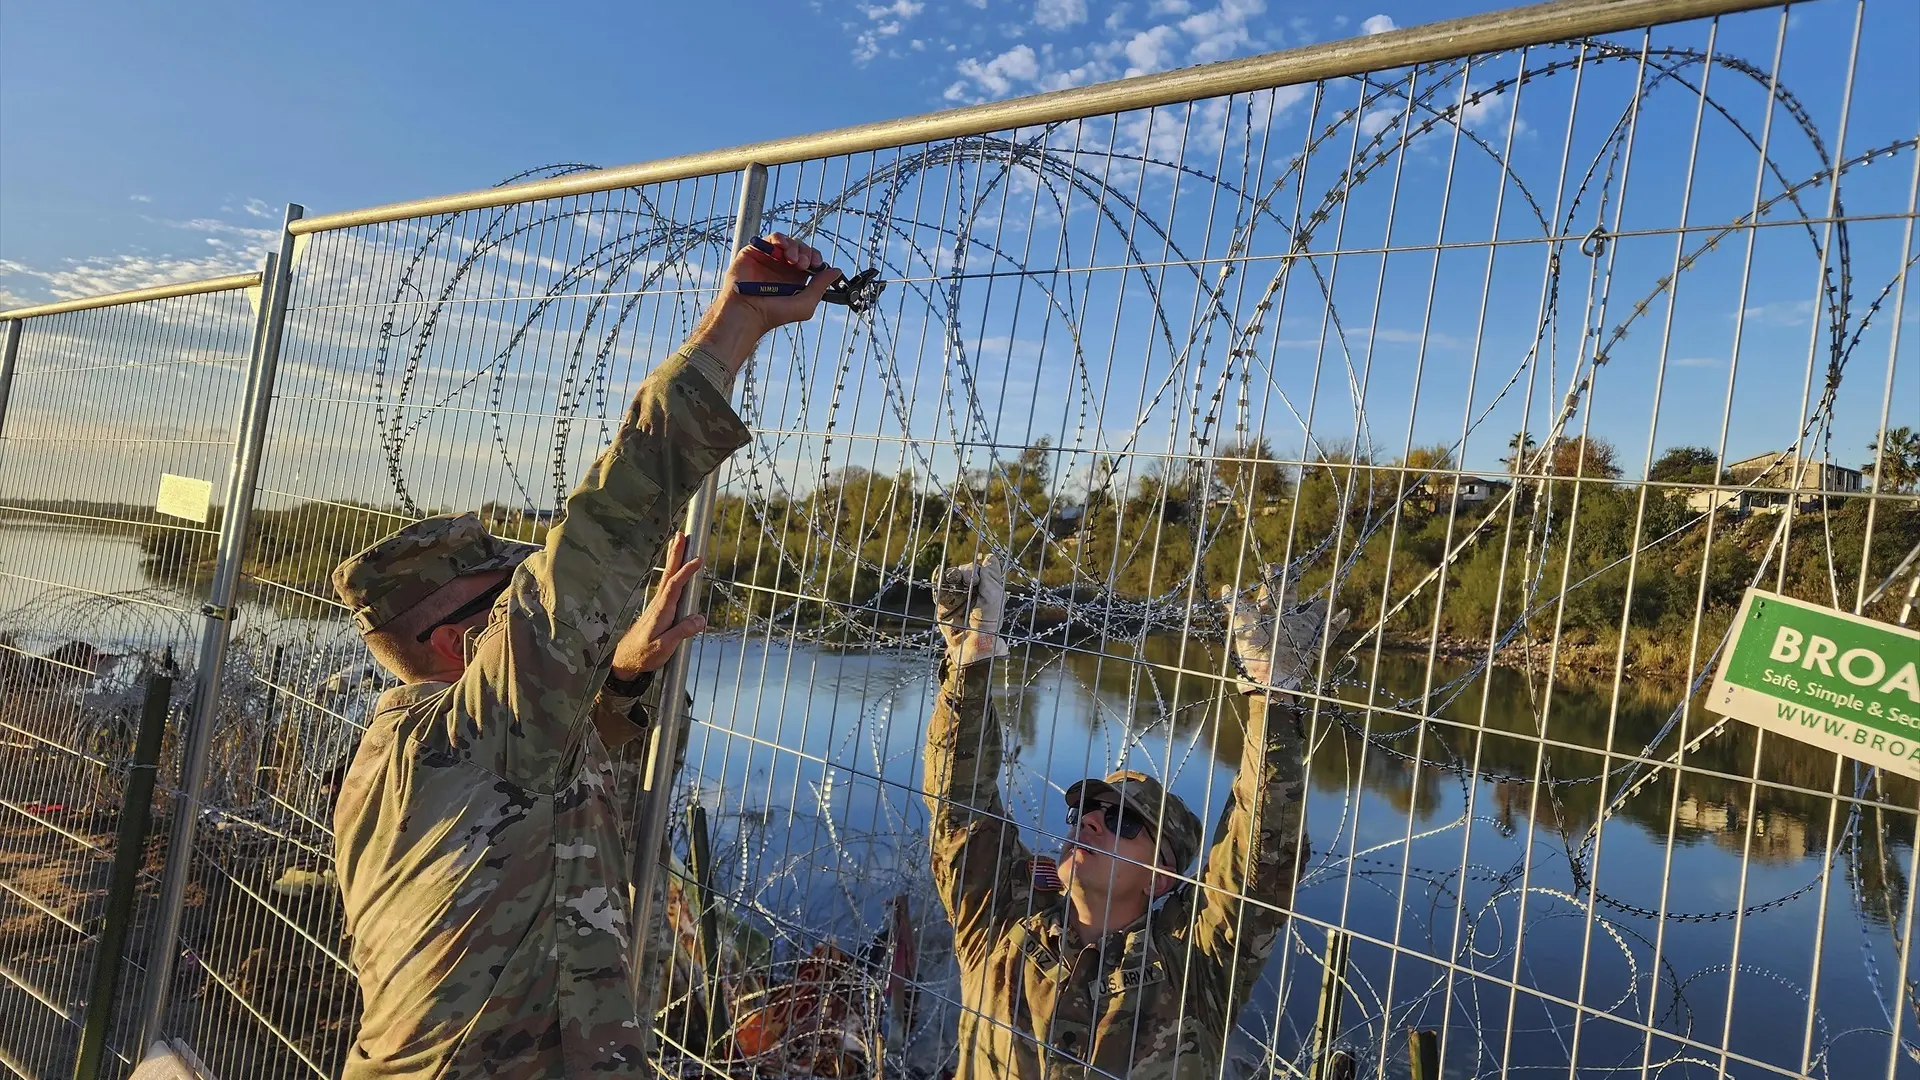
x=1127, y=971
x=477, y=839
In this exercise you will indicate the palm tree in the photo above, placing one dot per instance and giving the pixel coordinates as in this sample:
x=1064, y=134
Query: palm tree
x=1522, y=446
x=1898, y=450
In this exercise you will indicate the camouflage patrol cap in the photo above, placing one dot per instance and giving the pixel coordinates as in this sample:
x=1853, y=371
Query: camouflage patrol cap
x=1177, y=828
x=399, y=572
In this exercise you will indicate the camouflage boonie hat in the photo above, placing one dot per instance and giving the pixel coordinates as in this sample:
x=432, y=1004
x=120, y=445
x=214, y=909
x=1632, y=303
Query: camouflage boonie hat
x=1177, y=828
x=399, y=572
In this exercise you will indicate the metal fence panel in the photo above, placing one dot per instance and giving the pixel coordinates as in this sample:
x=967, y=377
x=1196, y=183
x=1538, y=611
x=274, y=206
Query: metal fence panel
x=98, y=589
x=469, y=361
x=1140, y=356
x=1533, y=360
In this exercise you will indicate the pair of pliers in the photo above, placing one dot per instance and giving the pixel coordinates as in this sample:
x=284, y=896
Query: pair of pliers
x=857, y=293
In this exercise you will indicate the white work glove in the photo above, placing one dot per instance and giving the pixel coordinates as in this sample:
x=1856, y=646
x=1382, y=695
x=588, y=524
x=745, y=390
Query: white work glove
x=1277, y=644
x=970, y=601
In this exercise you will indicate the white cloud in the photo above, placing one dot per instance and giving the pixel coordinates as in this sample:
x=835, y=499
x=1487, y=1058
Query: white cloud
x=75, y=278
x=1377, y=24
x=1491, y=109
x=999, y=75
x=224, y=247
x=1221, y=31
x=1151, y=50
x=885, y=22
x=1227, y=28
x=139, y=198
x=1780, y=313
x=1059, y=14
x=1378, y=120
x=1698, y=362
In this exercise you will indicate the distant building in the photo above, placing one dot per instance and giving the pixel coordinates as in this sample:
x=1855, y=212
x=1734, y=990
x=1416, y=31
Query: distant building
x=1471, y=490
x=1464, y=490
x=1774, y=475
x=1739, y=502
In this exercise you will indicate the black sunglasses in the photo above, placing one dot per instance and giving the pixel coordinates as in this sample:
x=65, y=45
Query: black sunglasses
x=469, y=609
x=1118, y=819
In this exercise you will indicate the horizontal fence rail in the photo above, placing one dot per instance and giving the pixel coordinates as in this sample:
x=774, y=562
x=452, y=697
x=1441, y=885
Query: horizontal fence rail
x=1514, y=28
x=1530, y=342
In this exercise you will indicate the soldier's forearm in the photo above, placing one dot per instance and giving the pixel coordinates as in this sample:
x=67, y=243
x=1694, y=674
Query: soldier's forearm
x=1271, y=789
x=964, y=744
x=679, y=429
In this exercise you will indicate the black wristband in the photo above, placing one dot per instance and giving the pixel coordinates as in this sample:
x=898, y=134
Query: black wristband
x=633, y=687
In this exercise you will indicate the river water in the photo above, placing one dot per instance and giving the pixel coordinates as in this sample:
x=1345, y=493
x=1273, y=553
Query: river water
x=1456, y=882
x=1458, y=877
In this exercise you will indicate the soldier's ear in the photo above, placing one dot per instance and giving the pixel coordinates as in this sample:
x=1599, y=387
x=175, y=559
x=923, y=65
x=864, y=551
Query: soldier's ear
x=448, y=646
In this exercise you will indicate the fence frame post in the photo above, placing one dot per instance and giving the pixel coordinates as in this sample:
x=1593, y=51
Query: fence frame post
x=136, y=819
x=217, y=613
x=1333, y=987
x=8, y=358
x=664, y=746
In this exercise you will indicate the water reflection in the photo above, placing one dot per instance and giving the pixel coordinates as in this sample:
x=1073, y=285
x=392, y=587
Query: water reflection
x=1470, y=842
x=1470, y=845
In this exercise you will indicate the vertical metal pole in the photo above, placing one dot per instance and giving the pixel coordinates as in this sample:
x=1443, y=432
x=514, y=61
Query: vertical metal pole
x=136, y=813
x=1333, y=986
x=7, y=359
x=665, y=745
x=1423, y=1054
x=275, y=279
x=700, y=865
x=271, y=737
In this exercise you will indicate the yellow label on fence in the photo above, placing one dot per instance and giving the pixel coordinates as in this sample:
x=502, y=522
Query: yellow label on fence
x=184, y=497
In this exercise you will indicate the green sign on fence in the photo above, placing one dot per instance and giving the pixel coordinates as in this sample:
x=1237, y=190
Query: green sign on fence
x=1833, y=680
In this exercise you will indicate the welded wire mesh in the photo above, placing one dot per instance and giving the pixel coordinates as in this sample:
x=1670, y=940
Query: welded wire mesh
x=98, y=591
x=1430, y=339
x=1533, y=361
x=476, y=361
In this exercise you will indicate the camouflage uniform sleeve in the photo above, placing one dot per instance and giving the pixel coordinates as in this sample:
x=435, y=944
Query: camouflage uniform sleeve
x=980, y=867
x=622, y=718
x=529, y=691
x=1256, y=856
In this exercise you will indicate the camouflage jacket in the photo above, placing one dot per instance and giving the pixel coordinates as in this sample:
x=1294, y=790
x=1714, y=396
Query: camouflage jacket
x=1153, y=1001
x=478, y=842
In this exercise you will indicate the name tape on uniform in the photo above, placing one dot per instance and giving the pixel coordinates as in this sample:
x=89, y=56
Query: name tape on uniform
x=1826, y=678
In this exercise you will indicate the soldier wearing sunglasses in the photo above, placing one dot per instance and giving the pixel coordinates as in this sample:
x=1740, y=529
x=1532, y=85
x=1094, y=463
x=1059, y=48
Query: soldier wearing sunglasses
x=1120, y=966
x=479, y=848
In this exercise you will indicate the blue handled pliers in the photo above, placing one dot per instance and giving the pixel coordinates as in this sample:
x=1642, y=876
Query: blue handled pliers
x=857, y=293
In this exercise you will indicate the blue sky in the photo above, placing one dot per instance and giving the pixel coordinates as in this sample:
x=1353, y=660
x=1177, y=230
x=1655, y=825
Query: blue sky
x=143, y=142
x=138, y=147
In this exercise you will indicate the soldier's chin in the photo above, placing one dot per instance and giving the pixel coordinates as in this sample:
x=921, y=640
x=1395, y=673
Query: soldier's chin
x=1074, y=856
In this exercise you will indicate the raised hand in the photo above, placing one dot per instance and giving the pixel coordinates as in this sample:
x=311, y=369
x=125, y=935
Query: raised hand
x=970, y=601
x=736, y=322
x=649, y=643
x=1275, y=639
